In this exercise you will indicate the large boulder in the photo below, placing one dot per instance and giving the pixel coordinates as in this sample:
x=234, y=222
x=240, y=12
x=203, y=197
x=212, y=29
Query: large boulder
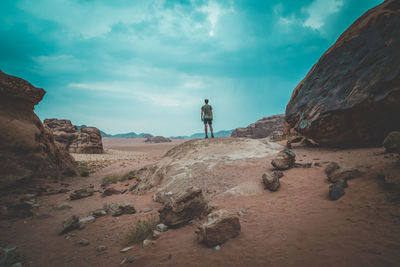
x=266, y=127
x=86, y=141
x=220, y=227
x=351, y=96
x=183, y=207
x=27, y=148
x=392, y=142
x=284, y=160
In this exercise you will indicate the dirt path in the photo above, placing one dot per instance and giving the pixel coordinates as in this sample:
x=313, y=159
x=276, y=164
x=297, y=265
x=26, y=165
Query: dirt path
x=295, y=226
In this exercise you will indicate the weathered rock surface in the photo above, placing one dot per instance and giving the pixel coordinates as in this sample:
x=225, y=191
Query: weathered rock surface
x=266, y=127
x=271, y=180
x=183, y=207
x=220, y=227
x=69, y=224
x=351, y=96
x=27, y=148
x=333, y=166
x=157, y=139
x=392, y=142
x=86, y=141
x=284, y=160
x=336, y=190
x=110, y=191
x=203, y=163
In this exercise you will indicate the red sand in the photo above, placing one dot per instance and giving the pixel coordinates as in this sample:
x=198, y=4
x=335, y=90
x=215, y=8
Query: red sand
x=295, y=226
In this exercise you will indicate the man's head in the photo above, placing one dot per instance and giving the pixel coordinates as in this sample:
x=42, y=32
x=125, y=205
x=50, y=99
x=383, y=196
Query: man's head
x=206, y=101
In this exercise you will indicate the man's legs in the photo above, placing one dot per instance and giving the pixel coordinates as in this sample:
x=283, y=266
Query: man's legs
x=205, y=129
x=211, y=130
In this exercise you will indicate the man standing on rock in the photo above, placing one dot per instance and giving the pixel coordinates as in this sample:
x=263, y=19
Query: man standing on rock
x=207, y=117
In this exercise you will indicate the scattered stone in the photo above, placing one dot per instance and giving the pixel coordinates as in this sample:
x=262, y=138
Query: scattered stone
x=87, y=219
x=155, y=235
x=220, y=227
x=392, y=142
x=126, y=249
x=80, y=193
x=336, y=190
x=121, y=208
x=101, y=249
x=317, y=164
x=241, y=213
x=35, y=205
x=218, y=247
x=270, y=181
x=82, y=243
x=157, y=139
x=345, y=174
x=302, y=165
x=98, y=213
x=71, y=223
x=333, y=166
x=124, y=191
x=284, y=160
x=183, y=207
x=9, y=256
x=147, y=210
x=146, y=243
x=69, y=236
x=127, y=260
x=161, y=227
x=110, y=191
x=132, y=187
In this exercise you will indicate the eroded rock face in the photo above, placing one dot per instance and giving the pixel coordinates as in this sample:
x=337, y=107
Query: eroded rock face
x=183, y=207
x=392, y=142
x=266, y=127
x=220, y=227
x=27, y=148
x=157, y=139
x=351, y=96
x=86, y=141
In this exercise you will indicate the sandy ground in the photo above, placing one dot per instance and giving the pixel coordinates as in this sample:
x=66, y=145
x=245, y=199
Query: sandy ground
x=295, y=226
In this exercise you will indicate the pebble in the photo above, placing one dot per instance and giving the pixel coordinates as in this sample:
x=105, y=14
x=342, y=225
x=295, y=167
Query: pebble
x=62, y=206
x=241, y=213
x=218, y=247
x=83, y=242
x=156, y=234
x=125, y=249
x=127, y=260
x=87, y=219
x=146, y=243
x=147, y=210
x=101, y=248
x=161, y=227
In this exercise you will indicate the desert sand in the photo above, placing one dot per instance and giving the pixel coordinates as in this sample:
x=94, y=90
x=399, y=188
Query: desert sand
x=296, y=226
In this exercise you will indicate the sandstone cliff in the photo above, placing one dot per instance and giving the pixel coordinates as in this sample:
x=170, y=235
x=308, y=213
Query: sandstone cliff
x=351, y=96
x=266, y=127
x=27, y=148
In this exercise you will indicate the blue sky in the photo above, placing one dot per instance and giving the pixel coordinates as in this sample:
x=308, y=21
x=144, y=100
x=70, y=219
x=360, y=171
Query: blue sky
x=146, y=66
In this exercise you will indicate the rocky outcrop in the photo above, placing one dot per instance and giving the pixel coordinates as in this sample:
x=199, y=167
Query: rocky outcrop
x=351, y=96
x=266, y=127
x=27, y=148
x=157, y=139
x=86, y=141
x=220, y=227
x=284, y=160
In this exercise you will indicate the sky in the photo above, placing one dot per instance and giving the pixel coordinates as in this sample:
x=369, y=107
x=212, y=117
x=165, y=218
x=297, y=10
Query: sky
x=147, y=66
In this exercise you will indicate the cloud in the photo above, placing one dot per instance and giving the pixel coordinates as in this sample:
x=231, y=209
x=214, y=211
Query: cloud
x=318, y=12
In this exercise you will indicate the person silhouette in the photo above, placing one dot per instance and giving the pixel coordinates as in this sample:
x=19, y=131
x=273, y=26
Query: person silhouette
x=207, y=117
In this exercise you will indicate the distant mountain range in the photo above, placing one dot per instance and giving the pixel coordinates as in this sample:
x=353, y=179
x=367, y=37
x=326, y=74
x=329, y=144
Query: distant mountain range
x=226, y=133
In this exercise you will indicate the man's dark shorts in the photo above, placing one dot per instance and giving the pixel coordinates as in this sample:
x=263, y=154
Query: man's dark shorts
x=209, y=121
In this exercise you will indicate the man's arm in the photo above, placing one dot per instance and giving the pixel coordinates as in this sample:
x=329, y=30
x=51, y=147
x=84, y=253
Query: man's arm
x=212, y=116
x=202, y=119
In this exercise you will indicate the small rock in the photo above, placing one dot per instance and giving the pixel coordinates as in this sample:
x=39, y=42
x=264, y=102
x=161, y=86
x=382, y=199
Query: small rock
x=336, y=190
x=218, y=247
x=284, y=160
x=333, y=166
x=147, y=210
x=344, y=173
x=9, y=256
x=80, y=193
x=82, y=243
x=126, y=249
x=110, y=191
x=302, y=165
x=155, y=235
x=161, y=227
x=270, y=181
x=98, y=213
x=101, y=249
x=132, y=187
x=122, y=208
x=242, y=213
x=87, y=219
x=71, y=223
x=317, y=164
x=35, y=205
x=146, y=243
x=392, y=142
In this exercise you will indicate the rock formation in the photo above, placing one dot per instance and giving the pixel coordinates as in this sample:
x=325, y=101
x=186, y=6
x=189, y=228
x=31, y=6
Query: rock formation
x=157, y=139
x=266, y=127
x=27, y=148
x=392, y=142
x=351, y=96
x=86, y=141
